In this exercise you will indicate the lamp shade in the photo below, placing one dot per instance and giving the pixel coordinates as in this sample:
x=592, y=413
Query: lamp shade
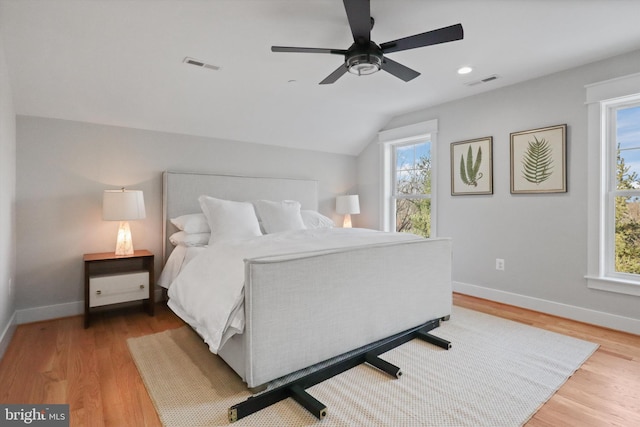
x=348, y=204
x=122, y=205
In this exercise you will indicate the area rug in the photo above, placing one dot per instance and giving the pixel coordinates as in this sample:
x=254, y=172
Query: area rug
x=497, y=373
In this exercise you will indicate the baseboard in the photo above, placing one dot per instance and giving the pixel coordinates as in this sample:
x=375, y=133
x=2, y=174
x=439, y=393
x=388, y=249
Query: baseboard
x=580, y=314
x=48, y=312
x=7, y=334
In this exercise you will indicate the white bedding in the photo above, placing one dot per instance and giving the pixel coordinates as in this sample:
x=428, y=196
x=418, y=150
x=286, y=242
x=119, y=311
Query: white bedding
x=180, y=257
x=208, y=293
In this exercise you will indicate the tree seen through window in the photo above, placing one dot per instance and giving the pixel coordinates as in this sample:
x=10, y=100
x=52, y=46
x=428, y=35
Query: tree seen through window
x=627, y=199
x=413, y=188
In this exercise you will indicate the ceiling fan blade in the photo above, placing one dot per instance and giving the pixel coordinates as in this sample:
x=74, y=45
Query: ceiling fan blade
x=359, y=16
x=400, y=71
x=441, y=35
x=307, y=50
x=331, y=78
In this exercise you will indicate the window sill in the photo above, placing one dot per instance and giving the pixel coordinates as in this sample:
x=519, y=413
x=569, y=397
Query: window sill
x=620, y=286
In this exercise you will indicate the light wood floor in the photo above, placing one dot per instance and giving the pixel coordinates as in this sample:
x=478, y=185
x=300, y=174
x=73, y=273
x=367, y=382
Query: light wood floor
x=59, y=361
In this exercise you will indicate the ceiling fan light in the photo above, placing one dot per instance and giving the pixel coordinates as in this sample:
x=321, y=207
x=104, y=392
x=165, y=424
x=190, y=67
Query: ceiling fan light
x=363, y=69
x=364, y=64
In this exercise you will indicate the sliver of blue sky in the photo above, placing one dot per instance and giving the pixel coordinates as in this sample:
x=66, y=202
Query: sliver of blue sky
x=628, y=137
x=408, y=156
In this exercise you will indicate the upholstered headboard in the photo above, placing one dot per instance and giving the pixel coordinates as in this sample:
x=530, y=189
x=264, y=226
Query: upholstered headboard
x=181, y=191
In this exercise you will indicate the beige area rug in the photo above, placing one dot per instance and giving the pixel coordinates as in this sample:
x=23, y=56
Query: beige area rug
x=497, y=373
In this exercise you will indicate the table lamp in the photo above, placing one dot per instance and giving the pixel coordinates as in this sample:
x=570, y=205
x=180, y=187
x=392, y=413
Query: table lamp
x=347, y=205
x=123, y=205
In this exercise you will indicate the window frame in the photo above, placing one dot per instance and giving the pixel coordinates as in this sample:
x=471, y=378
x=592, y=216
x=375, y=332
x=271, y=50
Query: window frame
x=603, y=100
x=397, y=137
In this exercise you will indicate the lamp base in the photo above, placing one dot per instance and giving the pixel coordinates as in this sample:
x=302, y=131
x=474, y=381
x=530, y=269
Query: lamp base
x=347, y=221
x=124, y=244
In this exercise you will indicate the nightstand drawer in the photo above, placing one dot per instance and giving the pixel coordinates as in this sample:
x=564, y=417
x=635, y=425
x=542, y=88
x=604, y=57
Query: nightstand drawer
x=115, y=288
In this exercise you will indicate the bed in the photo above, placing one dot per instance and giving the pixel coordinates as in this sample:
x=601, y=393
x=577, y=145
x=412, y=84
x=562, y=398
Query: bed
x=304, y=304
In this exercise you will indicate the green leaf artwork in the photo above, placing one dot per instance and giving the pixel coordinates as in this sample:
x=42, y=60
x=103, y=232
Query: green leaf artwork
x=537, y=161
x=469, y=170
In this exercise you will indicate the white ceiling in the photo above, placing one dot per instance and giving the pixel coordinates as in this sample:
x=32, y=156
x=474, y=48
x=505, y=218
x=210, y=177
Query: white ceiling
x=119, y=62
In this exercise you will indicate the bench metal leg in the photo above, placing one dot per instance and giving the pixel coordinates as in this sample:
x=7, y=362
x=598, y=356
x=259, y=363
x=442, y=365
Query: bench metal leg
x=432, y=339
x=383, y=365
x=311, y=404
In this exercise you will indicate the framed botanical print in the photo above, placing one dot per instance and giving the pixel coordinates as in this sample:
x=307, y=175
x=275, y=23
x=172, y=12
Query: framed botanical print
x=472, y=167
x=538, y=160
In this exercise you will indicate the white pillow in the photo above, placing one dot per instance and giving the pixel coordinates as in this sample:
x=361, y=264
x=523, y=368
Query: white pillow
x=192, y=223
x=229, y=220
x=190, y=239
x=313, y=219
x=279, y=216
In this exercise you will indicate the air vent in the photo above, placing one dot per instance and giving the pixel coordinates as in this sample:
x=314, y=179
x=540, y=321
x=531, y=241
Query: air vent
x=485, y=80
x=198, y=63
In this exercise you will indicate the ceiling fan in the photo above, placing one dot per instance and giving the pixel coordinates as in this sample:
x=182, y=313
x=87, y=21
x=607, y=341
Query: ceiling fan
x=366, y=57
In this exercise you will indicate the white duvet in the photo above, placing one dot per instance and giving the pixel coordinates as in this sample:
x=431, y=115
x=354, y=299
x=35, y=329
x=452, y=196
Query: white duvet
x=208, y=293
x=180, y=256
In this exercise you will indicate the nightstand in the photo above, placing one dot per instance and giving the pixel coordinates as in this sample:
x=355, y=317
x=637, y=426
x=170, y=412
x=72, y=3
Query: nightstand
x=112, y=279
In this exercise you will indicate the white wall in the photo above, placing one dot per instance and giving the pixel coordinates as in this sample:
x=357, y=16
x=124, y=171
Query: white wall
x=7, y=206
x=542, y=238
x=64, y=166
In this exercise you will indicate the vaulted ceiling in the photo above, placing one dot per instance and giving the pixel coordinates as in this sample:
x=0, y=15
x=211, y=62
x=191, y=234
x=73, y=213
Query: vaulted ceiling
x=120, y=62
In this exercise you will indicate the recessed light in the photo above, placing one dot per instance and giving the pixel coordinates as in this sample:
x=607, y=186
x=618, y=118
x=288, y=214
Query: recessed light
x=464, y=70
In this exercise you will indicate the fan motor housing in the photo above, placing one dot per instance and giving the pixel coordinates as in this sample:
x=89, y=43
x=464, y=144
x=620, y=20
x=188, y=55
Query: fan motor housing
x=364, y=59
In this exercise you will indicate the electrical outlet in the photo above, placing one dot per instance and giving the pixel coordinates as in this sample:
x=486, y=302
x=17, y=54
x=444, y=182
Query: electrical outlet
x=499, y=264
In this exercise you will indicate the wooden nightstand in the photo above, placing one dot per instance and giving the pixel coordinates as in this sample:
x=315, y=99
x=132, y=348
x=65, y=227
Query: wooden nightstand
x=111, y=279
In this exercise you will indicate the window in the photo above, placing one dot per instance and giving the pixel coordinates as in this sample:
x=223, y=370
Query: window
x=623, y=123
x=408, y=179
x=412, y=188
x=614, y=185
